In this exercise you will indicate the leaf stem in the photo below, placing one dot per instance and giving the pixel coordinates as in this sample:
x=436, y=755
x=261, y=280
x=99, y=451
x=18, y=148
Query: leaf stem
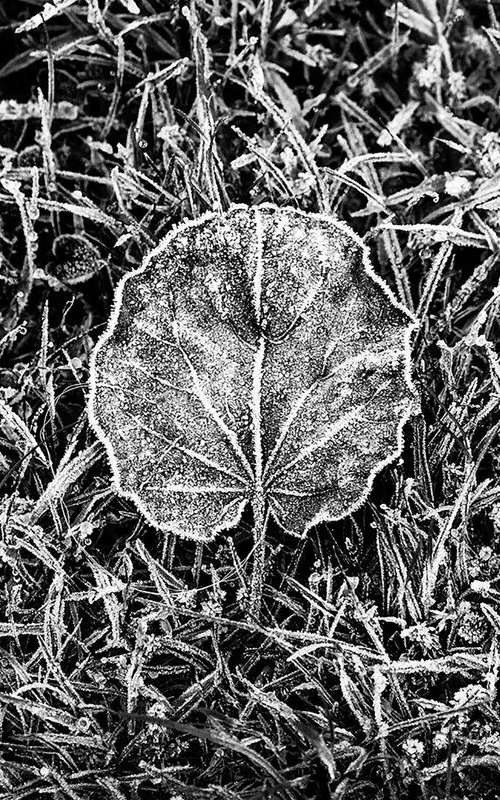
x=259, y=552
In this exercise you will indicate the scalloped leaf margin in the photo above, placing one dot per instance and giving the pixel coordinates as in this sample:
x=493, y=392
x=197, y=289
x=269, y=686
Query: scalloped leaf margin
x=255, y=356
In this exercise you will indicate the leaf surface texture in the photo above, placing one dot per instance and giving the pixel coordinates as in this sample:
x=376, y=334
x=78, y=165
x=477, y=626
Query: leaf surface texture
x=254, y=353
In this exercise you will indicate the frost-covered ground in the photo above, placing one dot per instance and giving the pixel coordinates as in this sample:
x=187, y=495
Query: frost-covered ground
x=129, y=667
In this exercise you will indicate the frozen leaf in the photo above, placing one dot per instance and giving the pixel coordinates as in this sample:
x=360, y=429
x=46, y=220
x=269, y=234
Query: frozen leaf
x=254, y=357
x=76, y=258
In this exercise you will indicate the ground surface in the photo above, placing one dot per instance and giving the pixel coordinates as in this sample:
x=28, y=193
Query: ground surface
x=128, y=665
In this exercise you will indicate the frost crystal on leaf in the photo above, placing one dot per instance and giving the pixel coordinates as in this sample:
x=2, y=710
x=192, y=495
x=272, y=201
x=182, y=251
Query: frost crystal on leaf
x=254, y=357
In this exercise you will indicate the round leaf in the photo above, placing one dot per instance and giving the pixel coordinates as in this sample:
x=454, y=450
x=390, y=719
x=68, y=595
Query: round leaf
x=254, y=355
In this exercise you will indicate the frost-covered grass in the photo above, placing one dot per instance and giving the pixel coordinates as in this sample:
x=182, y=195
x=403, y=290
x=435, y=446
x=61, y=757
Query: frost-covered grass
x=129, y=667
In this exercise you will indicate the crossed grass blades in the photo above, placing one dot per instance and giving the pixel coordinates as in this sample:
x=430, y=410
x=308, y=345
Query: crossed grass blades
x=128, y=668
